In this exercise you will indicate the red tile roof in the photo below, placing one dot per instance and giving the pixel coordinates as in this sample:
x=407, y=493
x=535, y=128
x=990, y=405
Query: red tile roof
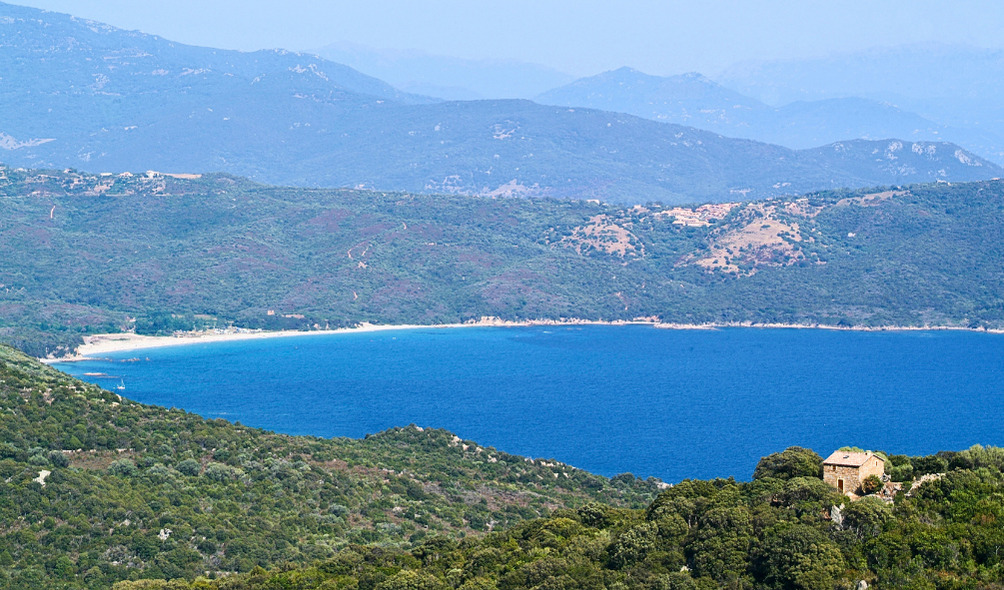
x=848, y=459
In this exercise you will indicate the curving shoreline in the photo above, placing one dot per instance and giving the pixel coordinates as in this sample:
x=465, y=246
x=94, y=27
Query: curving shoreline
x=98, y=344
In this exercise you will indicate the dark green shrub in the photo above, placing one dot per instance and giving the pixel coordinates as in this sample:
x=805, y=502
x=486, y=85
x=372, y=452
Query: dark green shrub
x=871, y=484
x=790, y=463
x=189, y=467
x=122, y=467
x=58, y=459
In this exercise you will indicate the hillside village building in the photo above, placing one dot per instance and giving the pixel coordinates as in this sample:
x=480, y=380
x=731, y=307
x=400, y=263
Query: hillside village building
x=845, y=470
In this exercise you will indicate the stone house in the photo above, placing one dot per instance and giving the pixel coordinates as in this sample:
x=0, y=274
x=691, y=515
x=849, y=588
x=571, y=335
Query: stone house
x=845, y=470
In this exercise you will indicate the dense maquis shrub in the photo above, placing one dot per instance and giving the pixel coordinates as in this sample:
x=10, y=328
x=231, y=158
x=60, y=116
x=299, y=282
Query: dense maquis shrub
x=866, y=518
x=792, y=462
x=151, y=492
x=189, y=467
x=411, y=276
x=164, y=494
x=737, y=536
x=929, y=464
x=123, y=467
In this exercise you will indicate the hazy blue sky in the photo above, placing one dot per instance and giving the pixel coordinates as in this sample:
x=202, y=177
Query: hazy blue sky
x=579, y=37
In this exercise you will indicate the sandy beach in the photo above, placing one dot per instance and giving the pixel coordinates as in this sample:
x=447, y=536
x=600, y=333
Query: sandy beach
x=99, y=344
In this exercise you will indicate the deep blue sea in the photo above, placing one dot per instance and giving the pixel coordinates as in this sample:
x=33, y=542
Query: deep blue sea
x=666, y=403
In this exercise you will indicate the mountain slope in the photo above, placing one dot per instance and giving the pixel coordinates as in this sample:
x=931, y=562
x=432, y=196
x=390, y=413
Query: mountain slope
x=82, y=95
x=448, y=77
x=955, y=85
x=692, y=99
x=95, y=488
x=964, y=74
x=93, y=58
x=151, y=246
x=784, y=530
x=686, y=99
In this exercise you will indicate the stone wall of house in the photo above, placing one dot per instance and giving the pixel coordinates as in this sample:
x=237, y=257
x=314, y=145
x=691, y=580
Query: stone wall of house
x=874, y=466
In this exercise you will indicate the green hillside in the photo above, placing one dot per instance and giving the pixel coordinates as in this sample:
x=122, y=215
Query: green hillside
x=97, y=491
x=785, y=530
x=85, y=254
x=142, y=491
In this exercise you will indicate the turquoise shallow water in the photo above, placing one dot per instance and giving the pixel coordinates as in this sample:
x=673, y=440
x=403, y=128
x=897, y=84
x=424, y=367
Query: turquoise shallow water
x=666, y=403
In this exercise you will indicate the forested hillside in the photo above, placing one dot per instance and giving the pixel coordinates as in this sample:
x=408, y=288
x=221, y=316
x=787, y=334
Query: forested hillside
x=784, y=530
x=86, y=253
x=95, y=488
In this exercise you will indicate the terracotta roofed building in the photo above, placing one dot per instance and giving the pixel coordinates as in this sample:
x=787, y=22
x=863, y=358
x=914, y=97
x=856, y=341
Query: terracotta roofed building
x=846, y=470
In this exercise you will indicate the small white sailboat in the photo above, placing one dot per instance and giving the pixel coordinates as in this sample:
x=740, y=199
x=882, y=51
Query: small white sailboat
x=121, y=385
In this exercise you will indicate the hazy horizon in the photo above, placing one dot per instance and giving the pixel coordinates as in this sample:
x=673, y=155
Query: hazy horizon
x=579, y=38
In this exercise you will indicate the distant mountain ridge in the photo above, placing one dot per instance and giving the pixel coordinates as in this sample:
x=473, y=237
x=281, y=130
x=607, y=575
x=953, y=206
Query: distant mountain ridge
x=151, y=62
x=449, y=78
x=79, y=94
x=908, y=74
x=695, y=100
x=956, y=85
x=686, y=99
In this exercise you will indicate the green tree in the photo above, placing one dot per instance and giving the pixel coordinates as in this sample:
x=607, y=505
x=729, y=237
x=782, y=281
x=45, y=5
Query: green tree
x=123, y=467
x=412, y=580
x=721, y=548
x=866, y=517
x=189, y=467
x=790, y=463
x=929, y=464
x=634, y=544
x=798, y=557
